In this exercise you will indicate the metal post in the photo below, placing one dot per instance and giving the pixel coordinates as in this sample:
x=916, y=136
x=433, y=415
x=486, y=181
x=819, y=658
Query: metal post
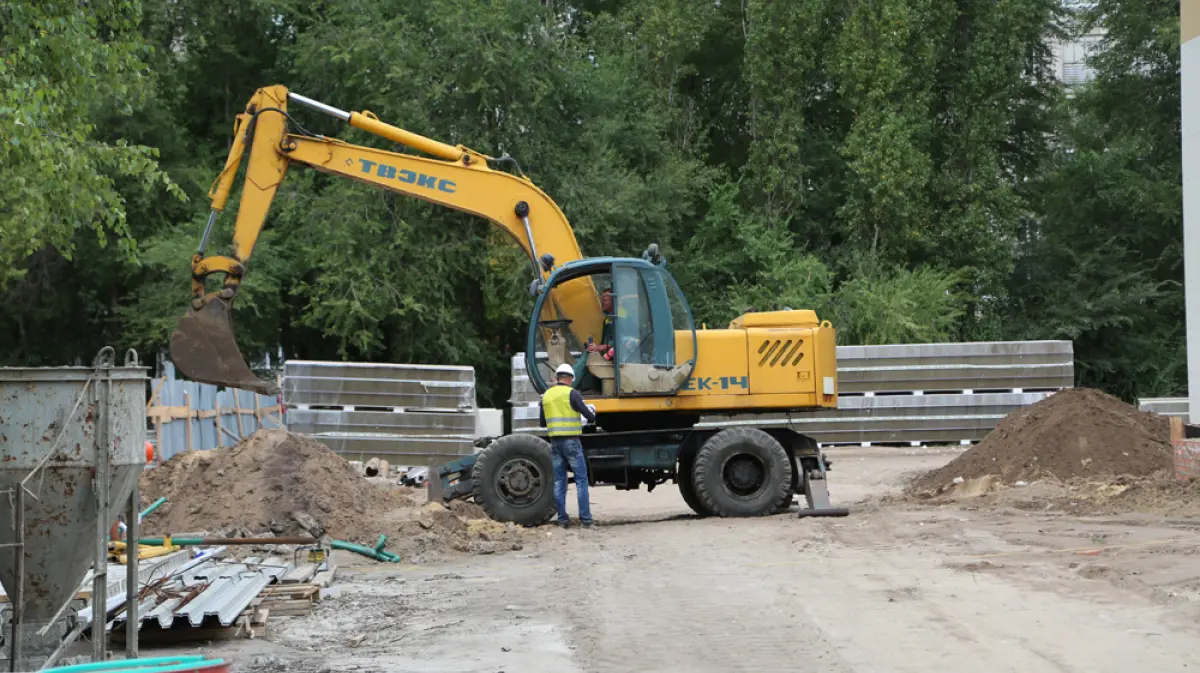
x=100, y=480
x=132, y=530
x=17, y=606
x=1189, y=64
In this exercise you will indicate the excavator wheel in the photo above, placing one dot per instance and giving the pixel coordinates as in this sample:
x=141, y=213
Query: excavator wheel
x=797, y=487
x=687, y=488
x=513, y=480
x=742, y=472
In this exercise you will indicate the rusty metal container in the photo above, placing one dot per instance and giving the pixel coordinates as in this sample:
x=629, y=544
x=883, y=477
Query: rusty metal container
x=54, y=424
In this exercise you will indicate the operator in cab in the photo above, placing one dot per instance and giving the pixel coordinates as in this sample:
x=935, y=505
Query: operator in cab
x=606, y=334
x=560, y=413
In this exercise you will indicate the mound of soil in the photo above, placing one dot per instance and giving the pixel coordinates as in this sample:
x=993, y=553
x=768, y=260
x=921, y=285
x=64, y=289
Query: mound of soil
x=273, y=481
x=276, y=483
x=1074, y=433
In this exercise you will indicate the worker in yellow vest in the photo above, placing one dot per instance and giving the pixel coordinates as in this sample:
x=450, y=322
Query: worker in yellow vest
x=560, y=413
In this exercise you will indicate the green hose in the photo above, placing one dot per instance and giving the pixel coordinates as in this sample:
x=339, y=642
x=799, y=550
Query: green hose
x=153, y=506
x=376, y=553
x=177, y=541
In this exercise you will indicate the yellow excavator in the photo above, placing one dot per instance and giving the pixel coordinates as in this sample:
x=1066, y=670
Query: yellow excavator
x=622, y=324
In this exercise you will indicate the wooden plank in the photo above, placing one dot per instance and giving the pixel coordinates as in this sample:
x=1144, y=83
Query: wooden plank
x=177, y=413
x=162, y=381
x=297, y=612
x=283, y=606
x=237, y=410
x=158, y=440
x=272, y=589
x=187, y=400
x=217, y=420
x=289, y=592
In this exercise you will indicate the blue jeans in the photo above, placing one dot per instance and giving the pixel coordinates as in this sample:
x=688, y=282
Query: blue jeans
x=564, y=451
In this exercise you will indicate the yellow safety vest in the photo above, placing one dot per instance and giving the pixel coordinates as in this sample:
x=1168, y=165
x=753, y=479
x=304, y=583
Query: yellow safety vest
x=561, y=419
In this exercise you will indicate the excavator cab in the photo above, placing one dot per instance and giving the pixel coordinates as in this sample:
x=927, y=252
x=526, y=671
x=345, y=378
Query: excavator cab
x=643, y=337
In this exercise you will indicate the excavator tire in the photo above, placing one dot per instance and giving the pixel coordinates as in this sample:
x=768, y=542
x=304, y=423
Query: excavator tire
x=687, y=487
x=513, y=480
x=742, y=472
x=785, y=505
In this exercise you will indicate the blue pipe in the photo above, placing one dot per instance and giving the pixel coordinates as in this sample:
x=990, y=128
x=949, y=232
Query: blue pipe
x=189, y=662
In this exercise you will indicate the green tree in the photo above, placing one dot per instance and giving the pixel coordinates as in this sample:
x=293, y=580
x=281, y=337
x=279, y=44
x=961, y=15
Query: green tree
x=63, y=65
x=1101, y=259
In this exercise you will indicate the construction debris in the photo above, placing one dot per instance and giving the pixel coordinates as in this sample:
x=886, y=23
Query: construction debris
x=213, y=596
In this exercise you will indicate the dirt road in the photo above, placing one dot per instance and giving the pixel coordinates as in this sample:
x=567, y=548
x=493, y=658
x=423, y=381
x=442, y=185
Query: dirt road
x=894, y=587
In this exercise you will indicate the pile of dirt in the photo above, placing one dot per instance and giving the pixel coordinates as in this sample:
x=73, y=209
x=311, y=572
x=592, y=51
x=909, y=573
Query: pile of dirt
x=1078, y=433
x=276, y=483
x=273, y=481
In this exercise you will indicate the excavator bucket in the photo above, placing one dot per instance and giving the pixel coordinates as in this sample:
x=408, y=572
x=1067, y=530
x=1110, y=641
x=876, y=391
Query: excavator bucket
x=203, y=349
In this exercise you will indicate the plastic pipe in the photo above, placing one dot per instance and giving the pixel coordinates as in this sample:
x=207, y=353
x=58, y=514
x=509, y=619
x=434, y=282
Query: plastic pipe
x=196, y=541
x=378, y=554
x=153, y=506
x=145, y=512
x=156, y=665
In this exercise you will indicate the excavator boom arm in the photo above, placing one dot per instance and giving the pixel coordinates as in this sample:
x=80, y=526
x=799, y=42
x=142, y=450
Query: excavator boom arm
x=203, y=347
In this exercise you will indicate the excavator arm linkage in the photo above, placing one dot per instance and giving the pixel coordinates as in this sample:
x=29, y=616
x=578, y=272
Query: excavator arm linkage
x=203, y=346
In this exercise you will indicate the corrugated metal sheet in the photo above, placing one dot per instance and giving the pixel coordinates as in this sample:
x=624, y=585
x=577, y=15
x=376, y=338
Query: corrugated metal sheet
x=209, y=588
x=148, y=570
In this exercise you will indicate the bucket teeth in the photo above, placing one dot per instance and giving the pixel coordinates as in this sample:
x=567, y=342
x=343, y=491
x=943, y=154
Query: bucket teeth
x=204, y=350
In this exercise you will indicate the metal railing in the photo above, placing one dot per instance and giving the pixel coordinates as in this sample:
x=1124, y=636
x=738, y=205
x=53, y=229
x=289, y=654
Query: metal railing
x=407, y=414
x=900, y=394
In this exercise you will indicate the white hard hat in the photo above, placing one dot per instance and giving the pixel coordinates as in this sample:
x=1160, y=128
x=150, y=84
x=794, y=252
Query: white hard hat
x=565, y=369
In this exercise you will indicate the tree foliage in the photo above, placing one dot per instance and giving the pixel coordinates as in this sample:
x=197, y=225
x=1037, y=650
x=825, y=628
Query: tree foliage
x=63, y=67
x=910, y=169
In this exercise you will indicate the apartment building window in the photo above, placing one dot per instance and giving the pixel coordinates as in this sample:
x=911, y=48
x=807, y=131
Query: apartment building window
x=1075, y=69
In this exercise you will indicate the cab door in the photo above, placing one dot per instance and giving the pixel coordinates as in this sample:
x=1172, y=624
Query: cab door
x=649, y=309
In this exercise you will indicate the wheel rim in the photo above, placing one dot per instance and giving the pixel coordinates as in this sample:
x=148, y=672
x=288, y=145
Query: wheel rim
x=744, y=475
x=519, y=482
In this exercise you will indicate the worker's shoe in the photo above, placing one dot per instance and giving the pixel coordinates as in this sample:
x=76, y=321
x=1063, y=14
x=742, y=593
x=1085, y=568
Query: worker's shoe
x=563, y=524
x=588, y=525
